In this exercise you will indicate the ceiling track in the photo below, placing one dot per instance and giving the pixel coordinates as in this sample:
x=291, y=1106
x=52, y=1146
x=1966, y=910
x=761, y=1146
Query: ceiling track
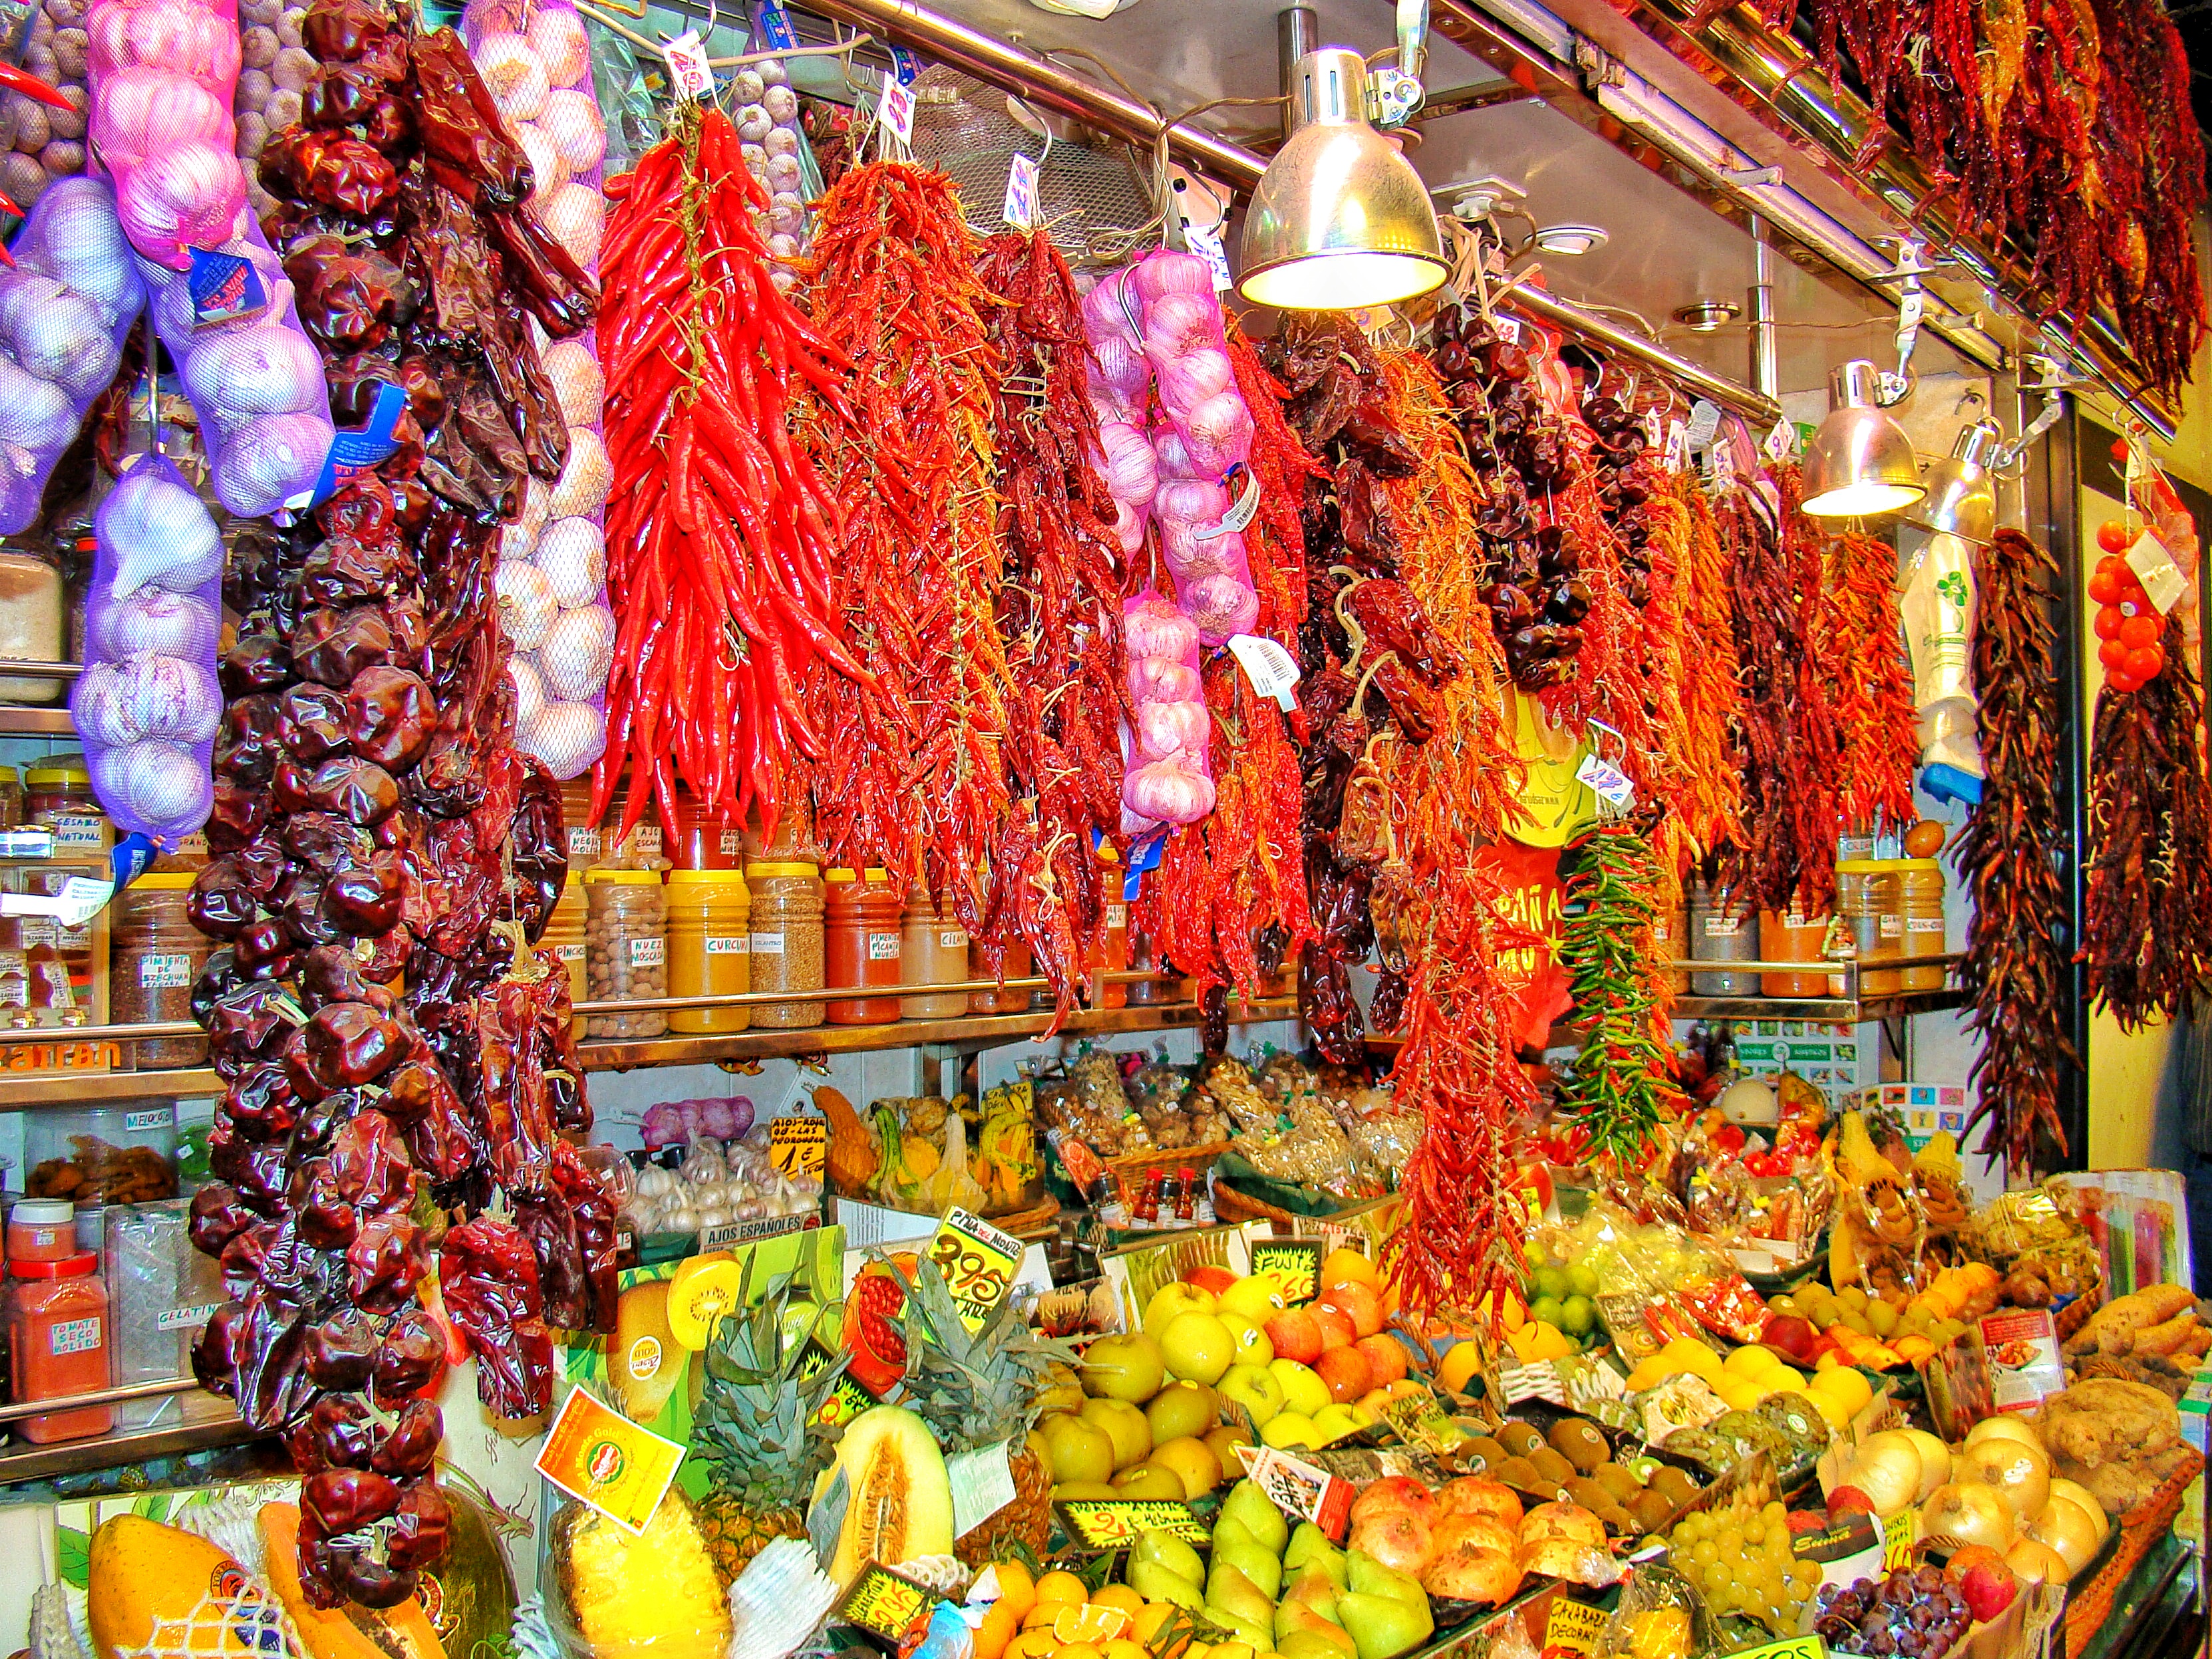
x=1778, y=85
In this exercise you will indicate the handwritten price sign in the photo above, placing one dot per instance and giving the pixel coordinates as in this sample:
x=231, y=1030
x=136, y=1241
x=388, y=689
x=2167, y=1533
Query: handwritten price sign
x=978, y=1263
x=1293, y=1263
x=798, y=1146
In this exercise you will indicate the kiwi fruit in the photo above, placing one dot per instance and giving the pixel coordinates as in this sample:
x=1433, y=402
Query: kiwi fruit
x=1616, y=1519
x=1486, y=1449
x=1620, y=1482
x=1578, y=1441
x=1591, y=1496
x=1651, y=1510
x=1673, y=1484
x=1518, y=1438
x=1551, y=1467
x=1518, y=1474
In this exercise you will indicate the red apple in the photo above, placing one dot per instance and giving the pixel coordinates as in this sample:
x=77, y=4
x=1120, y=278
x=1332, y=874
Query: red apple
x=1988, y=1588
x=1359, y=1305
x=1337, y=1330
x=1210, y=1279
x=1346, y=1371
x=1386, y=1358
x=1849, y=1500
x=1294, y=1333
x=1793, y=1335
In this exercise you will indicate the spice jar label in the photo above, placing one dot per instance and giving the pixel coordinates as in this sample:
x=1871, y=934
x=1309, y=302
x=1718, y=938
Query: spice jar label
x=169, y=971
x=1723, y=926
x=75, y=1335
x=153, y=1117
x=1117, y=916
x=647, y=840
x=570, y=952
x=768, y=944
x=951, y=938
x=77, y=832
x=1924, y=924
x=583, y=844
x=1893, y=927
x=648, y=952
x=884, y=947
x=732, y=843
x=185, y=1319
x=732, y=944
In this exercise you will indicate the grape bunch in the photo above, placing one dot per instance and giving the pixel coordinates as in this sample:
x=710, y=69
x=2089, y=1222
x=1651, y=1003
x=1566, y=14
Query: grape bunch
x=1913, y=1611
x=1743, y=1562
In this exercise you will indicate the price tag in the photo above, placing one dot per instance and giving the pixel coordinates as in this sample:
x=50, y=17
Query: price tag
x=1293, y=1263
x=1021, y=206
x=1206, y=245
x=1782, y=441
x=1302, y=1491
x=1419, y=1421
x=80, y=899
x=845, y=1402
x=1098, y=1524
x=1606, y=780
x=688, y=70
x=1242, y=510
x=599, y=1457
x=1704, y=421
x=798, y=1146
x=1508, y=329
x=2163, y=581
x=896, y=112
x=224, y=287
x=888, y=1610
x=1573, y=1627
x=1678, y=446
x=1271, y=670
x=978, y=1263
x=775, y=30
x=1897, y=1535
x=1790, y=1647
x=982, y=1483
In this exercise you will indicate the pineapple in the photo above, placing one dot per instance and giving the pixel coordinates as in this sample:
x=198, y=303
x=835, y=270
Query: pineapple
x=976, y=1389
x=756, y=1428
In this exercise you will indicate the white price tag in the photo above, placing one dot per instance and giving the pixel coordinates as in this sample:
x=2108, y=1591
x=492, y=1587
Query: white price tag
x=1782, y=441
x=1242, y=510
x=2163, y=581
x=1021, y=206
x=1271, y=670
x=1605, y=779
x=1206, y=245
x=1508, y=328
x=688, y=72
x=982, y=1483
x=897, y=111
x=1704, y=421
x=1678, y=446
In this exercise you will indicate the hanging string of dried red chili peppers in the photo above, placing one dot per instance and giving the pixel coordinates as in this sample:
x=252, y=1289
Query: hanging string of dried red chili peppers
x=1703, y=791
x=913, y=776
x=1861, y=654
x=1274, y=542
x=2015, y=968
x=2147, y=933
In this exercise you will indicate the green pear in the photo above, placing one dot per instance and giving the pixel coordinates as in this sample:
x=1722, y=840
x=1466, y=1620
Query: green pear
x=1310, y=1545
x=1165, y=1549
x=1259, y=1564
x=1291, y=1616
x=1156, y=1582
x=1385, y=1627
x=1251, y=1505
x=1254, y=1636
x=1234, y=1593
x=1312, y=1586
x=1320, y=1642
x=1229, y=1530
x=1370, y=1578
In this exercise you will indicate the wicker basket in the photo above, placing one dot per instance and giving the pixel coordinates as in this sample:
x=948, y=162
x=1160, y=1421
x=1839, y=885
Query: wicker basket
x=1038, y=1221
x=1232, y=1207
x=2092, y=1605
x=1160, y=1157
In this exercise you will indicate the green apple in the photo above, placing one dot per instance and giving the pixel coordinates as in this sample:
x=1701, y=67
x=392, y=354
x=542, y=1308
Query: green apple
x=1251, y=1508
x=1180, y=1410
x=1385, y=1626
x=1149, y=1480
x=1290, y=1431
x=1124, y=1425
x=1260, y=1565
x=1198, y=1347
x=1080, y=1450
x=1303, y=1392
x=1312, y=1586
x=1253, y=1347
x=1254, y=1298
x=1333, y=1422
x=1156, y=1582
x=1254, y=1388
x=1322, y=1641
x=1228, y=1588
x=1169, y=1303
x=1128, y=1368
x=1370, y=1578
x=1171, y=1553
x=1310, y=1546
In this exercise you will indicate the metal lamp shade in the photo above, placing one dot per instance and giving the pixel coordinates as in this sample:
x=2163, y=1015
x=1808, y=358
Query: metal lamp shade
x=1962, y=497
x=1340, y=219
x=1860, y=464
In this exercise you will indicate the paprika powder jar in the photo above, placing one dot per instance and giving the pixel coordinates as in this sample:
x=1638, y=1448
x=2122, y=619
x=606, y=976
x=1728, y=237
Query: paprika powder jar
x=58, y=1344
x=862, y=944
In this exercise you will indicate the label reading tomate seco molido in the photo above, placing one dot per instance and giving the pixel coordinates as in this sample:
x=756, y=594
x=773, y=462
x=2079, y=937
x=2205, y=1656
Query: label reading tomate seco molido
x=648, y=952
x=75, y=1335
x=169, y=971
x=732, y=944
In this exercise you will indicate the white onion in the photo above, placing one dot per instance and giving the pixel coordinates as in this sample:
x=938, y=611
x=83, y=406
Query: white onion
x=587, y=479
x=526, y=605
x=171, y=698
x=529, y=691
x=515, y=76
x=573, y=556
x=579, y=384
x=567, y=736
x=578, y=649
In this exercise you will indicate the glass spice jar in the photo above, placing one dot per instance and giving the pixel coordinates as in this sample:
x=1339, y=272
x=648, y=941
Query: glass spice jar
x=1867, y=899
x=1107, y=992
x=567, y=934
x=863, y=944
x=934, y=952
x=1015, y=964
x=58, y=1344
x=644, y=847
x=1720, y=933
x=626, y=949
x=787, y=944
x=709, y=947
x=1795, y=937
x=155, y=955
x=58, y=796
x=1920, y=885
x=32, y=621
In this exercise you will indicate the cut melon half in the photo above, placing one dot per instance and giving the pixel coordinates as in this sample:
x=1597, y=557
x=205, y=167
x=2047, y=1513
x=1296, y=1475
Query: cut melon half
x=898, y=1502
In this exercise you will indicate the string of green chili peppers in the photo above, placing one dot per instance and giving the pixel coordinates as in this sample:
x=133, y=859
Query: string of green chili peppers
x=1621, y=1076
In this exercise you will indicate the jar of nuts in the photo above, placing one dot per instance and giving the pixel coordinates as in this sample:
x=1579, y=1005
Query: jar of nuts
x=625, y=949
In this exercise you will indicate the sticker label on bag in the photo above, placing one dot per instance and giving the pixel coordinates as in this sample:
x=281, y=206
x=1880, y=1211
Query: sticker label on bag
x=224, y=287
x=599, y=1457
x=905, y=65
x=1021, y=204
x=2163, y=581
x=352, y=453
x=896, y=112
x=775, y=26
x=689, y=72
x=1271, y=670
x=1206, y=245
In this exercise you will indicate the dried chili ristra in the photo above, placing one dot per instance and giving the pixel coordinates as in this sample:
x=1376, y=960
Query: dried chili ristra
x=1689, y=629
x=1861, y=654
x=2015, y=970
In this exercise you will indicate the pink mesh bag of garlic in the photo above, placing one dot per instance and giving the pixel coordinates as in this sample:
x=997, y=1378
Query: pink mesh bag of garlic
x=1165, y=778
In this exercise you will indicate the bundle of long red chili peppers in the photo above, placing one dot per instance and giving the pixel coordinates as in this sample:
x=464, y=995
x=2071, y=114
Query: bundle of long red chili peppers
x=724, y=553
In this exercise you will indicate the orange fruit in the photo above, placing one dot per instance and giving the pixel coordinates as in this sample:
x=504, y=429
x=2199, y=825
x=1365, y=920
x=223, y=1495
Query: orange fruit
x=1119, y=1596
x=1348, y=1267
x=1016, y=1588
x=1150, y=1620
x=1032, y=1644
x=1092, y=1625
x=1123, y=1648
x=1079, y=1651
x=999, y=1627
x=1061, y=1587
x=1041, y=1616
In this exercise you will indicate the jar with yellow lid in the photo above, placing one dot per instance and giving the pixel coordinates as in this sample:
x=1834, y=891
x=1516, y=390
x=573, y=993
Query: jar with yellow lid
x=565, y=936
x=863, y=944
x=156, y=957
x=787, y=944
x=626, y=949
x=1920, y=884
x=1869, y=899
x=709, y=947
x=934, y=951
x=57, y=796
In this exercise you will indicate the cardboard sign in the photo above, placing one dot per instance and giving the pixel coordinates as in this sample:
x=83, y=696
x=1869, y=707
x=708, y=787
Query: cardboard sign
x=1098, y=1524
x=1790, y=1647
x=1574, y=1627
x=1293, y=1263
x=1897, y=1539
x=2019, y=1351
x=599, y=1457
x=1420, y=1421
x=1302, y=1491
x=798, y=1146
x=1020, y=207
x=883, y=1606
x=978, y=1262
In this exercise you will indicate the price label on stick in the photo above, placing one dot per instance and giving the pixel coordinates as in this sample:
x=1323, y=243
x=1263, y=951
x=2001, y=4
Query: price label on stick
x=1021, y=204
x=688, y=68
x=798, y=1146
x=1206, y=245
x=978, y=1263
x=1605, y=779
x=1271, y=670
x=1303, y=1492
x=896, y=112
x=1293, y=1263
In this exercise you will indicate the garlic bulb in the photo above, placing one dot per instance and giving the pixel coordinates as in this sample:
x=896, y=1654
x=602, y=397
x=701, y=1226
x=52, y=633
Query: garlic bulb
x=572, y=121
x=567, y=736
x=162, y=533
x=34, y=413
x=529, y=691
x=547, y=172
x=269, y=459
x=574, y=215
x=557, y=34
x=586, y=480
x=573, y=556
x=578, y=649
x=171, y=698
x=579, y=384
x=515, y=76
x=526, y=605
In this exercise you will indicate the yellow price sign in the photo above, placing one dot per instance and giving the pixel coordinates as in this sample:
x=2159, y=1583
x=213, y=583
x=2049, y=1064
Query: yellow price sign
x=1293, y=1263
x=978, y=1263
x=798, y=1146
x=1113, y=1523
x=595, y=1454
x=1573, y=1627
x=1790, y=1647
x=1897, y=1533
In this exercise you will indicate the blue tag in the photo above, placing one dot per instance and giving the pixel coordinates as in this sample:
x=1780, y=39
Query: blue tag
x=224, y=287
x=1144, y=855
x=904, y=62
x=129, y=859
x=775, y=28
x=353, y=453
x=1949, y=784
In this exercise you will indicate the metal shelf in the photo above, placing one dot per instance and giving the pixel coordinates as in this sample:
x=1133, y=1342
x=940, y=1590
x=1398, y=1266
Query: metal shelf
x=1822, y=1011
x=22, y=721
x=28, y=1092
x=209, y=1421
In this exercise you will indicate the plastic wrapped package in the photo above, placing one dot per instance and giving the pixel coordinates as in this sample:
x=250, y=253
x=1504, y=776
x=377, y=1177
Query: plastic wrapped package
x=535, y=57
x=64, y=311
x=1660, y=1615
x=148, y=702
x=1165, y=780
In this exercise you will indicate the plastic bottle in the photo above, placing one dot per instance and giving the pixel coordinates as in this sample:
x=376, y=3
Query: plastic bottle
x=709, y=946
x=58, y=1343
x=863, y=943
